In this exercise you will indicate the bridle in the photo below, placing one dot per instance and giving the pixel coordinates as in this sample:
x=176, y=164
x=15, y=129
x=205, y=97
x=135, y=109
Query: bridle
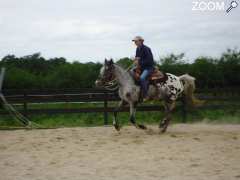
x=109, y=79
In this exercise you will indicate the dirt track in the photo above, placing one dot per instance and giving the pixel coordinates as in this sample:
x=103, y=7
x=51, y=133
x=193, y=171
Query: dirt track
x=186, y=152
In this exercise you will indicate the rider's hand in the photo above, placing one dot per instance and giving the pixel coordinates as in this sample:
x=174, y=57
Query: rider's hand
x=135, y=62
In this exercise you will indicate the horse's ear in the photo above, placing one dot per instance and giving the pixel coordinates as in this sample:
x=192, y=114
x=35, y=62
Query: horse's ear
x=105, y=61
x=111, y=61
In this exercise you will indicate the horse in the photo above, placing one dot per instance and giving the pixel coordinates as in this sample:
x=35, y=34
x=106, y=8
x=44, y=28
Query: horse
x=129, y=92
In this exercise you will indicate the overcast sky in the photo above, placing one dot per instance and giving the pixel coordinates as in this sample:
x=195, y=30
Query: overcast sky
x=90, y=30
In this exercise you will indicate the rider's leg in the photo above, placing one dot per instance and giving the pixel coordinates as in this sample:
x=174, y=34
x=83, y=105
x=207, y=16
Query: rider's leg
x=144, y=82
x=132, y=71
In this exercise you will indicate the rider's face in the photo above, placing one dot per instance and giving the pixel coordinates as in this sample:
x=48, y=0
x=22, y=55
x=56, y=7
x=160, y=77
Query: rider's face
x=138, y=43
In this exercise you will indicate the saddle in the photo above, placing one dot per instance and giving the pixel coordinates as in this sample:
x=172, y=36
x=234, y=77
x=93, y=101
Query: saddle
x=156, y=77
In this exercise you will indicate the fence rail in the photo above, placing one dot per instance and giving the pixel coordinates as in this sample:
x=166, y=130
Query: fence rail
x=26, y=97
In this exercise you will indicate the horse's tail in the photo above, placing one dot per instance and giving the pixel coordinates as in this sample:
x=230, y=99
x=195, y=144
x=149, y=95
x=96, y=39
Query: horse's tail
x=189, y=88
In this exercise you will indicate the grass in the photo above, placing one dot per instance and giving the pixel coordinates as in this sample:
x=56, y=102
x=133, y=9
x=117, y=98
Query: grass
x=226, y=115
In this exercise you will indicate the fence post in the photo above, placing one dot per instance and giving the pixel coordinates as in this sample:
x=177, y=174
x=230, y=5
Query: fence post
x=25, y=111
x=105, y=109
x=184, y=109
x=1, y=84
x=2, y=78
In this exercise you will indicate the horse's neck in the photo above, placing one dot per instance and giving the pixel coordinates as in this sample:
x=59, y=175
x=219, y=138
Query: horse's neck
x=123, y=77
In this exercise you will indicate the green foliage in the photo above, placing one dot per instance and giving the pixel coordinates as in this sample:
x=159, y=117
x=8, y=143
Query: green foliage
x=172, y=59
x=34, y=71
x=18, y=78
x=209, y=72
x=125, y=62
x=75, y=75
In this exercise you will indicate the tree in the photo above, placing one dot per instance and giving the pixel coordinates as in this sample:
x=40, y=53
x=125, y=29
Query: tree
x=172, y=59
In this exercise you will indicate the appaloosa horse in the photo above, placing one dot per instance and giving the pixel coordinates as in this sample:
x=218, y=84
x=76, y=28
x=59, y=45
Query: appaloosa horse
x=129, y=92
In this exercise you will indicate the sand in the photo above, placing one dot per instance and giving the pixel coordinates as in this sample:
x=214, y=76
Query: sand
x=185, y=152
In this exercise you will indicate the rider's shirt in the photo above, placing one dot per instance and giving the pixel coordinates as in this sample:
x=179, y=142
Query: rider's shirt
x=145, y=56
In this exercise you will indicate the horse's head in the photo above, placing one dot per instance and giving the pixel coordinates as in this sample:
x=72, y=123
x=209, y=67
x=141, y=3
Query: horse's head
x=106, y=73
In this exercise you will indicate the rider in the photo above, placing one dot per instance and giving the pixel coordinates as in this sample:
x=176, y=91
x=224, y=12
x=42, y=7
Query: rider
x=144, y=59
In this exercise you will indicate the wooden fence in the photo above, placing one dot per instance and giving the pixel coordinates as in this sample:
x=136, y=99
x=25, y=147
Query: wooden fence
x=26, y=97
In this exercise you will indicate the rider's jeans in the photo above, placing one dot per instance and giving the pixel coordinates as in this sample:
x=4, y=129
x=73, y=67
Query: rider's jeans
x=144, y=81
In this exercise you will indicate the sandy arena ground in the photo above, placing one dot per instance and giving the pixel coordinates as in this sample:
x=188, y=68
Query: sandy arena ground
x=185, y=152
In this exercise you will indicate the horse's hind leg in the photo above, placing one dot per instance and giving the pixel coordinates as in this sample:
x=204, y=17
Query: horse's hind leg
x=133, y=118
x=115, y=120
x=169, y=107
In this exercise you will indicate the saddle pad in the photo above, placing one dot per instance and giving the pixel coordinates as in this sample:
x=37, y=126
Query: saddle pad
x=156, y=75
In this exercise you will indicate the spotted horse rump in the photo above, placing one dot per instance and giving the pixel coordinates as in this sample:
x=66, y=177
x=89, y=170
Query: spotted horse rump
x=173, y=86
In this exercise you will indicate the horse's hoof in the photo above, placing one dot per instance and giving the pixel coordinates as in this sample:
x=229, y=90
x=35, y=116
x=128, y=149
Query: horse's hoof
x=117, y=127
x=164, y=129
x=141, y=126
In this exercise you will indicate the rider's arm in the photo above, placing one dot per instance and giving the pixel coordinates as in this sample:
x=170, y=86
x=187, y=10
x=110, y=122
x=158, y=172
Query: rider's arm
x=137, y=56
x=147, y=59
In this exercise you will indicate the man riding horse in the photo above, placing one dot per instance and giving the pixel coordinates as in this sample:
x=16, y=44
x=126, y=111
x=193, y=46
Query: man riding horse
x=144, y=61
x=162, y=86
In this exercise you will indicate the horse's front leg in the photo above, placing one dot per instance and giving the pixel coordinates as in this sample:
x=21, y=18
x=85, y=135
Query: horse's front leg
x=115, y=121
x=133, y=107
x=169, y=107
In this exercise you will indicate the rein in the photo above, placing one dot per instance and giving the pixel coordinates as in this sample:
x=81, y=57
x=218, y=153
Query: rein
x=113, y=85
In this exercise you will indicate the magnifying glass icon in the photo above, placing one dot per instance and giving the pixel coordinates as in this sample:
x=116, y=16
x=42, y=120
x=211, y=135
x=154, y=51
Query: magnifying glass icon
x=233, y=4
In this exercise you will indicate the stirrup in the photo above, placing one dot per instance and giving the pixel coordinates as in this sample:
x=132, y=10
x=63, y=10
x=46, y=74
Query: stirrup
x=140, y=98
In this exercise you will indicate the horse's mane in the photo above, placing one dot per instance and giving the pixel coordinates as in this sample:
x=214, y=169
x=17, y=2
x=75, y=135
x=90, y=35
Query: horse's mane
x=119, y=66
x=124, y=73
